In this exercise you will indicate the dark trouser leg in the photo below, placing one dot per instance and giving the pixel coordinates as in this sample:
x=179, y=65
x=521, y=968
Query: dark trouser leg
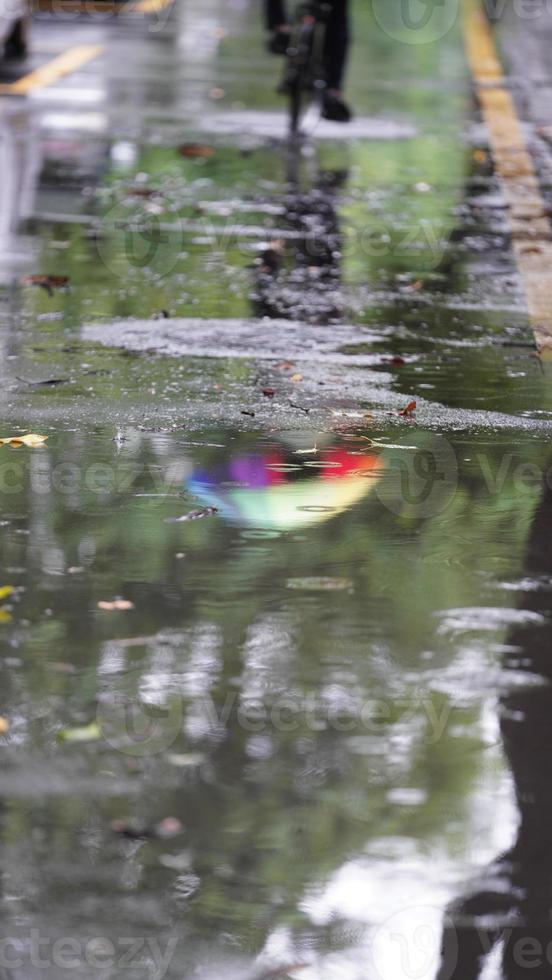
x=337, y=43
x=276, y=13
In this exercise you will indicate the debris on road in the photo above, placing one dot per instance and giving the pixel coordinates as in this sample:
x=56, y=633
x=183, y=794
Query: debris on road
x=194, y=515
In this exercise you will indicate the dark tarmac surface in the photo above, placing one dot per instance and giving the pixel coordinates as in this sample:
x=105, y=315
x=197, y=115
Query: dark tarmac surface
x=305, y=731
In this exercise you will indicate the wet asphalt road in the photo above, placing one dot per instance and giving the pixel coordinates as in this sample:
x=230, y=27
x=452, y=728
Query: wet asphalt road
x=418, y=252
x=235, y=332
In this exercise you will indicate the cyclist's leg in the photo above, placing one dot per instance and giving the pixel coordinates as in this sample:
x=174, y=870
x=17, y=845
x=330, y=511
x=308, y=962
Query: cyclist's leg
x=336, y=51
x=276, y=14
x=277, y=24
x=337, y=44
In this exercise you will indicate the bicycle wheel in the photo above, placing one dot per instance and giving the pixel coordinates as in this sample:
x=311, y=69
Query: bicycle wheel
x=295, y=107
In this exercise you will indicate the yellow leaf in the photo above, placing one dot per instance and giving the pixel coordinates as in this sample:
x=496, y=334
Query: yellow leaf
x=31, y=439
x=5, y=591
x=5, y=616
x=4, y=726
x=296, y=377
x=87, y=733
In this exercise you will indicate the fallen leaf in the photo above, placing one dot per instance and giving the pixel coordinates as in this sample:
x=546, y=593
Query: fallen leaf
x=300, y=408
x=269, y=392
x=49, y=283
x=169, y=827
x=408, y=411
x=396, y=361
x=285, y=365
x=194, y=515
x=296, y=377
x=141, y=192
x=480, y=156
x=186, y=759
x=131, y=830
x=196, y=151
x=50, y=382
x=251, y=414
x=118, y=605
x=85, y=733
x=217, y=93
x=31, y=439
x=5, y=616
x=414, y=287
x=5, y=591
x=532, y=250
x=4, y=726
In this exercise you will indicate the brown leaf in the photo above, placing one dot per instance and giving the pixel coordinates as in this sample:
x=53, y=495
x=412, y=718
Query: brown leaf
x=285, y=365
x=4, y=726
x=397, y=361
x=269, y=392
x=196, y=151
x=146, y=192
x=49, y=283
x=409, y=410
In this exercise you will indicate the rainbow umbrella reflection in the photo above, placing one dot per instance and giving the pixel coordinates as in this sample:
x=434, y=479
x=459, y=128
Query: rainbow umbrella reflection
x=280, y=490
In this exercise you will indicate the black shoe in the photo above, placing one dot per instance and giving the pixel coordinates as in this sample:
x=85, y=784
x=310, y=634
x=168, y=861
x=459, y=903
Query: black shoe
x=335, y=109
x=279, y=42
x=15, y=47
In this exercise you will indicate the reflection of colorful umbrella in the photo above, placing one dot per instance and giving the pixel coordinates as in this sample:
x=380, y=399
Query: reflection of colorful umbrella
x=269, y=492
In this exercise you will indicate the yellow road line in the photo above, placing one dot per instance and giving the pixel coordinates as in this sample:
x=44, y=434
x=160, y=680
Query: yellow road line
x=529, y=224
x=92, y=7
x=64, y=64
x=152, y=6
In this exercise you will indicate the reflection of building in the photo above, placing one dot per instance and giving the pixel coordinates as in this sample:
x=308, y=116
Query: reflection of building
x=19, y=167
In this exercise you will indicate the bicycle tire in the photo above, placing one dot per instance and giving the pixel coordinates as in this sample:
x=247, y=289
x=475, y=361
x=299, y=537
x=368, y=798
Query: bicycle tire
x=298, y=75
x=295, y=107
